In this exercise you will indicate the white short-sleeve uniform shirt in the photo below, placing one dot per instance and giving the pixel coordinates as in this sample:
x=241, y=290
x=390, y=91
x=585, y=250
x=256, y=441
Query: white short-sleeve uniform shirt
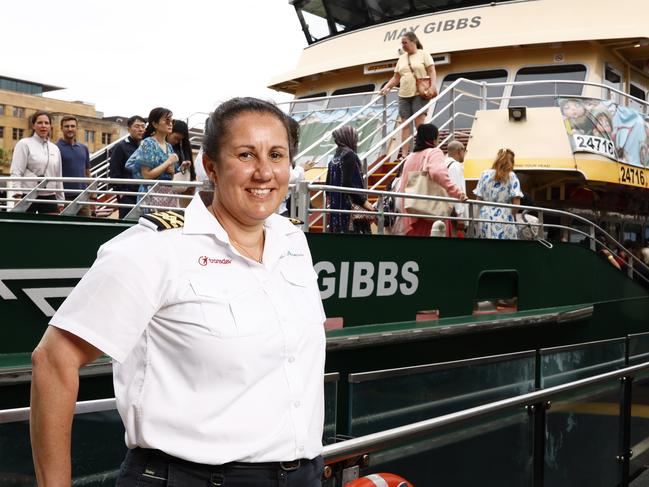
x=217, y=358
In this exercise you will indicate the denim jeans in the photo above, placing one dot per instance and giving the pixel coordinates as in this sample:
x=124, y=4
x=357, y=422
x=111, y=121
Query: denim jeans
x=148, y=468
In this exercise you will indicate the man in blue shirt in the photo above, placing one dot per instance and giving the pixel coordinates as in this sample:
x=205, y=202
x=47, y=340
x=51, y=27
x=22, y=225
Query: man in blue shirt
x=122, y=151
x=75, y=159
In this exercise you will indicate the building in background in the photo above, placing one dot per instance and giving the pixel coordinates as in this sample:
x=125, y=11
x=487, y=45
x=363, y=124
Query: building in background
x=19, y=99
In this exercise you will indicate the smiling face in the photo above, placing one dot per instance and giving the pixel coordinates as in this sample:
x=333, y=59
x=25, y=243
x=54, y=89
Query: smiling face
x=252, y=172
x=42, y=126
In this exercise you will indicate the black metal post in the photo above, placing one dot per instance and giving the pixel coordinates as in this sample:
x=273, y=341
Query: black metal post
x=624, y=457
x=538, y=411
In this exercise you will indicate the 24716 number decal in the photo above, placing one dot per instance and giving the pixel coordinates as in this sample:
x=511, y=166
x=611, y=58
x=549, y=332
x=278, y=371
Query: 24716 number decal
x=634, y=175
x=592, y=143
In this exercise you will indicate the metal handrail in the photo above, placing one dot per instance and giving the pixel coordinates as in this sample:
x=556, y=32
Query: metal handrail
x=348, y=449
x=382, y=194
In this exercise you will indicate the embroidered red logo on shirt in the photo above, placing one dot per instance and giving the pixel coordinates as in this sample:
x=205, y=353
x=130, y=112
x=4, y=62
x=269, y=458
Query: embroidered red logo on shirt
x=204, y=260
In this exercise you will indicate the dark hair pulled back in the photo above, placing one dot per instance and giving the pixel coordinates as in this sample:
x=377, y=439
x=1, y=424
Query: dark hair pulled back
x=156, y=115
x=217, y=126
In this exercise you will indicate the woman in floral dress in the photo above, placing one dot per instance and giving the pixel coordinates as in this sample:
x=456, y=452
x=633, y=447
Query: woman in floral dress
x=499, y=185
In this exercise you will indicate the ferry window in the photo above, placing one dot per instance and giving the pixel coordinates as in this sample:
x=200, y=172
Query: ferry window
x=544, y=95
x=351, y=101
x=637, y=92
x=309, y=106
x=381, y=10
x=613, y=78
x=348, y=15
x=467, y=104
x=313, y=16
x=632, y=232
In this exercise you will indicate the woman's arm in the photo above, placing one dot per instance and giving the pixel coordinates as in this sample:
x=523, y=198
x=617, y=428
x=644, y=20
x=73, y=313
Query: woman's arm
x=156, y=172
x=515, y=201
x=437, y=172
x=394, y=81
x=55, y=383
x=432, y=74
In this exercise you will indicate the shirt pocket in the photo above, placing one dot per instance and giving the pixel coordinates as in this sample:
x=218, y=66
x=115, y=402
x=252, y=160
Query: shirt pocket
x=231, y=312
x=304, y=293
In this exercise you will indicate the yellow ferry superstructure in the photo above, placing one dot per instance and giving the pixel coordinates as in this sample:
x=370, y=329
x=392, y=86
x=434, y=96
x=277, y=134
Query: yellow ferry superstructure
x=600, y=50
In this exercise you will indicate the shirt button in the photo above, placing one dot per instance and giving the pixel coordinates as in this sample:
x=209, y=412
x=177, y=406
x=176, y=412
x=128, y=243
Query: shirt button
x=296, y=404
x=301, y=448
x=291, y=359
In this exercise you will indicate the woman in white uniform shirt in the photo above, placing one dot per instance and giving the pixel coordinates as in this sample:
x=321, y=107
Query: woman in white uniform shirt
x=215, y=328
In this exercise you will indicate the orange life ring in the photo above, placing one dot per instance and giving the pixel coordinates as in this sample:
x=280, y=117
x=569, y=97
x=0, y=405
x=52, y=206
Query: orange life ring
x=380, y=480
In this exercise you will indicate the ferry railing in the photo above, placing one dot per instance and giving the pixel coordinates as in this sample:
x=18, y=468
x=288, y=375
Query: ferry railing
x=339, y=456
x=596, y=235
x=88, y=196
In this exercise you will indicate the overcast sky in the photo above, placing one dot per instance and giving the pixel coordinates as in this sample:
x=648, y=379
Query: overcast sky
x=128, y=56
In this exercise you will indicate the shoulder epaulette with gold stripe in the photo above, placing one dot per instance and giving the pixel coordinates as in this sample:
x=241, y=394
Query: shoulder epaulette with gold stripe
x=294, y=221
x=166, y=220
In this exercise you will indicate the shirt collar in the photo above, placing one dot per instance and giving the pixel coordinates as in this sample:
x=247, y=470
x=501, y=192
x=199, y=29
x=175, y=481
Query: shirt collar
x=199, y=221
x=63, y=141
x=39, y=139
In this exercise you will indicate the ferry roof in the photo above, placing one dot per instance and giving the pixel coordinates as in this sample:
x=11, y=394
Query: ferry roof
x=497, y=25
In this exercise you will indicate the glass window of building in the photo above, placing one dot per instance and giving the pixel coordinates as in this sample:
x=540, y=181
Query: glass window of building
x=351, y=101
x=17, y=134
x=106, y=138
x=19, y=112
x=469, y=103
x=2, y=110
x=2, y=132
x=90, y=135
x=545, y=94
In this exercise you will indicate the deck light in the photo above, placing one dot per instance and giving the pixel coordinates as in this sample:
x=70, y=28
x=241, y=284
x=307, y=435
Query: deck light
x=517, y=114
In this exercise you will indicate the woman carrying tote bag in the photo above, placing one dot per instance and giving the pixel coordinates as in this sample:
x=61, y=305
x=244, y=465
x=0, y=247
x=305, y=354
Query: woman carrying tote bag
x=428, y=158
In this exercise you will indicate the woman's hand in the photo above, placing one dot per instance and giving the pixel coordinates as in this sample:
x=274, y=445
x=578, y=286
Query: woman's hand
x=184, y=166
x=463, y=197
x=384, y=91
x=172, y=159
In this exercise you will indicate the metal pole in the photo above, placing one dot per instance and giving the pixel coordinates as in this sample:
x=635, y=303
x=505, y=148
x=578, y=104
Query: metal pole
x=624, y=457
x=483, y=95
x=471, y=231
x=538, y=411
x=384, y=119
x=452, y=114
x=303, y=204
x=380, y=223
x=593, y=244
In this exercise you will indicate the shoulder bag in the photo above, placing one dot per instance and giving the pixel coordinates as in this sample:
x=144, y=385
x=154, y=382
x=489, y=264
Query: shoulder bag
x=424, y=88
x=420, y=183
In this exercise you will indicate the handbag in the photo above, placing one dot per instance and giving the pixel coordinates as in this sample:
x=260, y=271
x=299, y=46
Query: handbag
x=424, y=88
x=182, y=176
x=420, y=183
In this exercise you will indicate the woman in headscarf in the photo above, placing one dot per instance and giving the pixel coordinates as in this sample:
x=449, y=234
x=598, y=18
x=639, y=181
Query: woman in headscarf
x=426, y=156
x=345, y=170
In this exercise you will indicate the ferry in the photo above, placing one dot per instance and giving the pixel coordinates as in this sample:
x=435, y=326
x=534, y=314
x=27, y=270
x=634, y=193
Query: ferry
x=449, y=361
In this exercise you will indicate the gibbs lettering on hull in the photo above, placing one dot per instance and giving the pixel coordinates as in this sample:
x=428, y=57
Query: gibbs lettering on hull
x=364, y=279
x=444, y=25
